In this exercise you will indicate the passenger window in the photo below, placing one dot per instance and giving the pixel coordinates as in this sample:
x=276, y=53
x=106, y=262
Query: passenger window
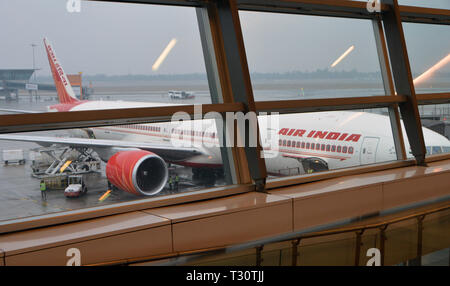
x=437, y=149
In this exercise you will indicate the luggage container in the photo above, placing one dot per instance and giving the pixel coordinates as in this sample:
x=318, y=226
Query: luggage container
x=13, y=156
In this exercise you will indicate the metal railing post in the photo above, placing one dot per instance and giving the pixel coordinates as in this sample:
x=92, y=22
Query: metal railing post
x=259, y=259
x=382, y=243
x=358, y=245
x=295, y=244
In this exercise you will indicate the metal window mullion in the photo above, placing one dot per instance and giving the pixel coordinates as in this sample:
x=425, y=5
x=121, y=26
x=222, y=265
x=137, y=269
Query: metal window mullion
x=214, y=54
x=433, y=98
x=328, y=104
x=345, y=9
x=106, y=117
x=403, y=79
x=224, y=20
x=227, y=153
x=389, y=89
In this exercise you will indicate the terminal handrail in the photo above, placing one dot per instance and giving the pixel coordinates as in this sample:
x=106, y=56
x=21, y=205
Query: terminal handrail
x=323, y=230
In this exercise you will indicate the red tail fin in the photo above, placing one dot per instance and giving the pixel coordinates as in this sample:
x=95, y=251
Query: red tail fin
x=63, y=87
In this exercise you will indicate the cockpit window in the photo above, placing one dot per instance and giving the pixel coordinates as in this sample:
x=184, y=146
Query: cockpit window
x=446, y=149
x=428, y=150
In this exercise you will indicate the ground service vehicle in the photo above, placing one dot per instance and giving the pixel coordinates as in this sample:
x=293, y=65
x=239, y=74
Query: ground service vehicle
x=76, y=186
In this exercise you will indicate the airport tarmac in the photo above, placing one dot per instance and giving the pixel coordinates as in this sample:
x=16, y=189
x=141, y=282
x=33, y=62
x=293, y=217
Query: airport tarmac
x=20, y=194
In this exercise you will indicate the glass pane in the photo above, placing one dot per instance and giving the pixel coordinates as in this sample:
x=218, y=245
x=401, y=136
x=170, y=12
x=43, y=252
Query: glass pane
x=314, y=142
x=429, y=55
x=113, y=60
x=439, y=4
x=52, y=171
x=302, y=57
x=436, y=124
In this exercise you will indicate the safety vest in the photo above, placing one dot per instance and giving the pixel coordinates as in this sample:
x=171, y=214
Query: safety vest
x=177, y=179
x=43, y=186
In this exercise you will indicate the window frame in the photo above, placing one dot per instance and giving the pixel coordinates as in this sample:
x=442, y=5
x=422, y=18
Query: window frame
x=219, y=21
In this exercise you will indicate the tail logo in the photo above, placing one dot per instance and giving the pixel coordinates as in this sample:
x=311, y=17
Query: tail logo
x=63, y=87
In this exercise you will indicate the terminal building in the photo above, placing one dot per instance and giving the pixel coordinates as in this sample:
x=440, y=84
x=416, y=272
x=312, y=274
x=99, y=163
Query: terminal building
x=14, y=79
x=355, y=171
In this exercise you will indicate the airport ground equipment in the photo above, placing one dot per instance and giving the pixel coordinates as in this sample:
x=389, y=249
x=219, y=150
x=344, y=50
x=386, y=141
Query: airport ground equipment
x=56, y=182
x=13, y=156
x=55, y=160
x=181, y=95
x=76, y=186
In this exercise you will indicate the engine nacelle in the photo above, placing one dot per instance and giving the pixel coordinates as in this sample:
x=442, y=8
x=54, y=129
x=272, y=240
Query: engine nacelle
x=137, y=172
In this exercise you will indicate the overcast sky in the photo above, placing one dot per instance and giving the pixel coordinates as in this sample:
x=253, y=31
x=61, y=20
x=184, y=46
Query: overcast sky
x=115, y=38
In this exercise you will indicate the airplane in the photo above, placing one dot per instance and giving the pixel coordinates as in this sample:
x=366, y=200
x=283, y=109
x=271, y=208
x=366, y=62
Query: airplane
x=136, y=155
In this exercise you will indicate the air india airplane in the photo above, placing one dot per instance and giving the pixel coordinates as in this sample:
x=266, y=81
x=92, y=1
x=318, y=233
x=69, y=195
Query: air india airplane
x=136, y=155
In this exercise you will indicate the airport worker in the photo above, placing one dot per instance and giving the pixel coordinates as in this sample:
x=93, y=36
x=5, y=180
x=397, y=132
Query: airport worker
x=170, y=183
x=43, y=190
x=177, y=180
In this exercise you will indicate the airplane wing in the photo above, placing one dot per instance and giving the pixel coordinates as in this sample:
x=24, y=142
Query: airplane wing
x=167, y=152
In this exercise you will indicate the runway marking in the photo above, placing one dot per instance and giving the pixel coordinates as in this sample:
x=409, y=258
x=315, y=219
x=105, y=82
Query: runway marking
x=44, y=203
x=104, y=196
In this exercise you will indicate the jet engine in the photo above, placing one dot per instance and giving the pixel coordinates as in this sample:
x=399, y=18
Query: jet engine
x=137, y=172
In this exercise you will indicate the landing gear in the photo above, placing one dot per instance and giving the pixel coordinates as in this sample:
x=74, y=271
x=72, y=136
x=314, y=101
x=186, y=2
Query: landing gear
x=312, y=165
x=111, y=187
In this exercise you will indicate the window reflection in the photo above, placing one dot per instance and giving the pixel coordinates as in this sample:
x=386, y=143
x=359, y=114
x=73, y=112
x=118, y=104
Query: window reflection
x=310, y=57
x=429, y=55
